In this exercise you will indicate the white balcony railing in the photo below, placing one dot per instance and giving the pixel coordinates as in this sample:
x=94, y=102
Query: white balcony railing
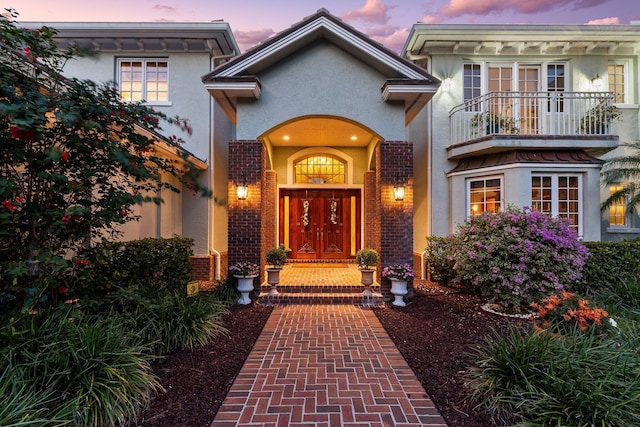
x=533, y=113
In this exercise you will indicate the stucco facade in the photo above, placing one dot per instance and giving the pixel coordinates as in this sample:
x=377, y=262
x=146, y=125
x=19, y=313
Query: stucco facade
x=322, y=91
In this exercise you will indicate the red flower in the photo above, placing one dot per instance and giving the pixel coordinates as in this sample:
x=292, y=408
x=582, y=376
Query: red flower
x=9, y=205
x=20, y=200
x=63, y=290
x=66, y=219
x=65, y=156
x=80, y=262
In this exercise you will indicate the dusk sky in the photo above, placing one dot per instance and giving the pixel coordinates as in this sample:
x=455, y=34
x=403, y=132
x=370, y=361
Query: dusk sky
x=387, y=21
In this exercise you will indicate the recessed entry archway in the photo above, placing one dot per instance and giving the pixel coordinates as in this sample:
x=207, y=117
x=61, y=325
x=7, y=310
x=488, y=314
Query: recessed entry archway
x=320, y=162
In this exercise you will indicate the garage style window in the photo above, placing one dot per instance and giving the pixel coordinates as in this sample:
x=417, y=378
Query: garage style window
x=143, y=80
x=559, y=196
x=484, y=195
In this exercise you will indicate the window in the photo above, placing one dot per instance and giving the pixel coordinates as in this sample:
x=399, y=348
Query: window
x=472, y=83
x=556, y=83
x=319, y=169
x=559, y=196
x=485, y=195
x=618, y=210
x=144, y=80
x=617, y=81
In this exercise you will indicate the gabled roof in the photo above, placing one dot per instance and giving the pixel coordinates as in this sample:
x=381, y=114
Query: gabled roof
x=237, y=78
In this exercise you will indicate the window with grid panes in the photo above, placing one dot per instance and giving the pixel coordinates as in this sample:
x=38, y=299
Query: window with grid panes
x=143, y=79
x=484, y=195
x=320, y=169
x=559, y=196
x=472, y=83
x=616, y=73
x=618, y=210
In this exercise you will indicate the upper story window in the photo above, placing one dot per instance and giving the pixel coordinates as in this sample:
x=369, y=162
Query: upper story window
x=484, y=195
x=617, y=81
x=472, y=81
x=144, y=79
x=319, y=169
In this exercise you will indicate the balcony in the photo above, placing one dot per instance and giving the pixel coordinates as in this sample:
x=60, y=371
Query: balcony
x=504, y=121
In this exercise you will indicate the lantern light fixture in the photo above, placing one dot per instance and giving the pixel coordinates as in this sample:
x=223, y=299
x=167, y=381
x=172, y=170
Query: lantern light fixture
x=398, y=189
x=242, y=188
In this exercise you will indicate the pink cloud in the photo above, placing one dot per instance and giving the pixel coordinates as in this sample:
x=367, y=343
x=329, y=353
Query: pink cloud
x=456, y=8
x=372, y=11
x=164, y=8
x=605, y=21
x=394, y=40
x=250, y=38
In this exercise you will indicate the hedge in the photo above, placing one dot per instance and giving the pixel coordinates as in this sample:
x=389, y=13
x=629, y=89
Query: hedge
x=609, y=262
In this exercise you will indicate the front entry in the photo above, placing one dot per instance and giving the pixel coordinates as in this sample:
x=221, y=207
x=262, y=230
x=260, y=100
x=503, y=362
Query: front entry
x=319, y=223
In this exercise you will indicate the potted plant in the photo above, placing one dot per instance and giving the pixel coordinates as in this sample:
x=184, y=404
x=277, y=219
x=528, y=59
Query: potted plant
x=276, y=257
x=493, y=123
x=366, y=259
x=399, y=274
x=596, y=119
x=245, y=272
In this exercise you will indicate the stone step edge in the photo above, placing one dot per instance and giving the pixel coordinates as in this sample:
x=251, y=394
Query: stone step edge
x=313, y=298
x=320, y=289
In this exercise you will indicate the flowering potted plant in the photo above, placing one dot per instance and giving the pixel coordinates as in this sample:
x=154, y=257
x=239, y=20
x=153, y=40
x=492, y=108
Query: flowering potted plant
x=399, y=274
x=245, y=269
x=245, y=272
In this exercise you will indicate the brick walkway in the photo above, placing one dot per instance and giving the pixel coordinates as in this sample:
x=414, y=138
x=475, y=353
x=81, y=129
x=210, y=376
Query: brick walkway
x=326, y=365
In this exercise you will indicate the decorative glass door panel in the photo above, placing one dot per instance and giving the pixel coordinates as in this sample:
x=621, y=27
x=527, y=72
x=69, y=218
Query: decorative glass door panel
x=318, y=224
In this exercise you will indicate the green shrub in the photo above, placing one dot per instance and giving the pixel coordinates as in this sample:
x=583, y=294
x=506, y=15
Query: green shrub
x=366, y=258
x=539, y=379
x=276, y=256
x=609, y=262
x=154, y=264
x=440, y=259
x=226, y=291
x=97, y=366
x=517, y=256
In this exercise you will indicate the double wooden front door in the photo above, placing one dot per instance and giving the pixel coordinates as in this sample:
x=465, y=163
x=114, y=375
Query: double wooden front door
x=320, y=224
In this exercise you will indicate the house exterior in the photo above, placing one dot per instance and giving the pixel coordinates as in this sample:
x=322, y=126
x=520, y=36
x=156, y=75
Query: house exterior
x=327, y=142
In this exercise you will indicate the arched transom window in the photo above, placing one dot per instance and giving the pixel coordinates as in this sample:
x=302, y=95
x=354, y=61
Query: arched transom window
x=320, y=169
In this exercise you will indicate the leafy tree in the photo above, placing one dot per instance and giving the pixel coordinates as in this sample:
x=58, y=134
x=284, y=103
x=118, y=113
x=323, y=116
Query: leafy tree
x=74, y=161
x=624, y=169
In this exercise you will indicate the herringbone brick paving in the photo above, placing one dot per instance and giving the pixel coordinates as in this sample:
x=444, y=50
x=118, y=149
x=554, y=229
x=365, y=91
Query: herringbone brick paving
x=326, y=365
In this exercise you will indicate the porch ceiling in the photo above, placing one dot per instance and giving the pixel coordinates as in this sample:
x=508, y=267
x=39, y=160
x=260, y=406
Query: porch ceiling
x=320, y=132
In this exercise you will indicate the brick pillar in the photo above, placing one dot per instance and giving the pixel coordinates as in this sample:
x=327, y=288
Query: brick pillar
x=371, y=212
x=269, y=210
x=246, y=159
x=395, y=163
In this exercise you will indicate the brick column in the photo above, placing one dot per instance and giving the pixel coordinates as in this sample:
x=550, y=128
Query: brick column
x=395, y=163
x=246, y=160
x=269, y=209
x=371, y=212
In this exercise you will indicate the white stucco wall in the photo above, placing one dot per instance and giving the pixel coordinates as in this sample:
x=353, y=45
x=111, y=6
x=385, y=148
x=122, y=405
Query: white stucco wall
x=320, y=80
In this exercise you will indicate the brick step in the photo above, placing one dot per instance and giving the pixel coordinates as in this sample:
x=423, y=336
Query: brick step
x=299, y=297
x=321, y=289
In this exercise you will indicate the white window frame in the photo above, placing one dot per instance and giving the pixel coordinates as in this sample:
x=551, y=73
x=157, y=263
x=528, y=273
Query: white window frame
x=555, y=211
x=469, y=181
x=626, y=76
x=144, y=61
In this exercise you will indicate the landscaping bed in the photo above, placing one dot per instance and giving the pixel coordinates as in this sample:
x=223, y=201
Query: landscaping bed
x=434, y=333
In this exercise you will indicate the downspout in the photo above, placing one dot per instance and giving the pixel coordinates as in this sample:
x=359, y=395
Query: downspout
x=425, y=265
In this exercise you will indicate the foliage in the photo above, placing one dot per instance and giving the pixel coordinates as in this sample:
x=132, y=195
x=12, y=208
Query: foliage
x=440, y=259
x=609, y=263
x=596, y=119
x=366, y=258
x=74, y=162
x=153, y=264
x=276, y=256
x=536, y=378
x=493, y=123
x=623, y=169
x=620, y=298
x=398, y=272
x=225, y=291
x=97, y=366
x=517, y=256
x=563, y=312
x=245, y=269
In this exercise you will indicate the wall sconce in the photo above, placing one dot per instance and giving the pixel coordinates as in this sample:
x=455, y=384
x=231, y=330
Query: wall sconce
x=242, y=189
x=446, y=84
x=596, y=82
x=398, y=190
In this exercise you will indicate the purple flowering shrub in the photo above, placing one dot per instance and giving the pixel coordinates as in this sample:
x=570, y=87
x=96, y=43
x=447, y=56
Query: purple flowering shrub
x=518, y=256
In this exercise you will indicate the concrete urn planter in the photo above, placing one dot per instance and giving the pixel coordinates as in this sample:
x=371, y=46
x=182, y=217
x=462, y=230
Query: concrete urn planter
x=273, y=278
x=245, y=286
x=399, y=290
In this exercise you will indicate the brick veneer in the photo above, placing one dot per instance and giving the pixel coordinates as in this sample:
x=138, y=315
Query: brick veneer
x=246, y=160
x=269, y=208
x=203, y=267
x=395, y=163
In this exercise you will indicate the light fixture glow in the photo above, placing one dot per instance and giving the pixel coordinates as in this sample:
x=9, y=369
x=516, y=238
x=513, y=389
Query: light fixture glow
x=286, y=137
x=242, y=188
x=354, y=138
x=446, y=84
x=398, y=190
x=596, y=82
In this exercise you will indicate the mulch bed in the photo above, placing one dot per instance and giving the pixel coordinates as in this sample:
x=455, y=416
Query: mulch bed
x=435, y=333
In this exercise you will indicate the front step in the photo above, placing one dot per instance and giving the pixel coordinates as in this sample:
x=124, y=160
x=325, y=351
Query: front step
x=315, y=294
